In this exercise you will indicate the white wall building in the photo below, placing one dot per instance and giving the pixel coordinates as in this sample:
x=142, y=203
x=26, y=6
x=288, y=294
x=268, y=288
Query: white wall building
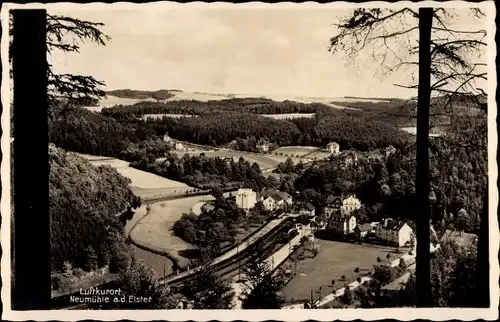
x=394, y=232
x=350, y=204
x=333, y=148
x=246, y=199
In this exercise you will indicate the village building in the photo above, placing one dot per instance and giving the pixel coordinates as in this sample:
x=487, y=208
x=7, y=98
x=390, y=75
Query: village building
x=262, y=146
x=350, y=204
x=362, y=230
x=178, y=146
x=333, y=148
x=166, y=138
x=341, y=224
x=273, y=199
x=459, y=237
x=246, y=199
x=333, y=204
x=389, y=150
x=350, y=159
x=394, y=232
x=307, y=210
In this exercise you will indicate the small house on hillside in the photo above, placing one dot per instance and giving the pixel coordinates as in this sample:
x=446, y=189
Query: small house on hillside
x=263, y=145
x=350, y=159
x=333, y=148
x=166, y=138
x=394, y=232
x=459, y=237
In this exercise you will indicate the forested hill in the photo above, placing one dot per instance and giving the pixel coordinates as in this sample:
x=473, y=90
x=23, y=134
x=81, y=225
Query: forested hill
x=386, y=186
x=161, y=94
x=84, y=200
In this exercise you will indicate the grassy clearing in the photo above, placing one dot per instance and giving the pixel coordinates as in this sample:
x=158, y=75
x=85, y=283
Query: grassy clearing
x=334, y=260
x=159, y=116
x=144, y=184
x=296, y=150
x=154, y=231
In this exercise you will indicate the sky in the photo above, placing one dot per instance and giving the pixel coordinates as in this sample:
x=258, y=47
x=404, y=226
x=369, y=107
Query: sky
x=226, y=50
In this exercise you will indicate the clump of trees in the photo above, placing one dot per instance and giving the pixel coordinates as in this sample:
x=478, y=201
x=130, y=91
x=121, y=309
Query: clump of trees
x=204, y=172
x=263, y=289
x=159, y=95
x=84, y=200
x=217, y=226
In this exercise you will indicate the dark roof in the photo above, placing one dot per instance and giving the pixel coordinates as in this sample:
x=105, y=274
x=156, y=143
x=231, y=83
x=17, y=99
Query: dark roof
x=283, y=194
x=393, y=225
x=461, y=238
x=309, y=207
x=267, y=192
x=331, y=199
x=364, y=227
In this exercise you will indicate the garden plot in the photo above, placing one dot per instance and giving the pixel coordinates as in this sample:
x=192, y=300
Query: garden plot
x=297, y=151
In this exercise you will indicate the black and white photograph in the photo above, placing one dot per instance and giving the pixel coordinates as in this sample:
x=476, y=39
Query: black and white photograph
x=219, y=161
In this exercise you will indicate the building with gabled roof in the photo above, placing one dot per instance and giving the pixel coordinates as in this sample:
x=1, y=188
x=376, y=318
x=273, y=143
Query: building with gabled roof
x=362, y=230
x=459, y=237
x=394, y=232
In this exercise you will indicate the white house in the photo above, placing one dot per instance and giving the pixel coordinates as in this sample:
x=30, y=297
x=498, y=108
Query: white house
x=269, y=203
x=394, y=232
x=350, y=204
x=274, y=198
x=167, y=138
x=342, y=224
x=263, y=145
x=333, y=148
x=178, y=146
x=307, y=210
x=246, y=199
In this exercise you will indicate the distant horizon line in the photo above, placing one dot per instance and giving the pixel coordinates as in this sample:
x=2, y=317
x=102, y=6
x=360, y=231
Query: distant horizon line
x=257, y=95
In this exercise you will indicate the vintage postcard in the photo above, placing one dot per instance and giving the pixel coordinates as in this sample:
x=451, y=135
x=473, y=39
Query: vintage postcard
x=219, y=161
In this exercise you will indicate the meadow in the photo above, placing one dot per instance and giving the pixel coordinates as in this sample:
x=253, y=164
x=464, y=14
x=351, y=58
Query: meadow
x=333, y=260
x=144, y=184
x=154, y=231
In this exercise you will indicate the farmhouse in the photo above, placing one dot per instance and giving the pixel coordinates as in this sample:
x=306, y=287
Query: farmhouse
x=394, y=232
x=333, y=148
x=362, y=230
x=459, y=237
x=263, y=145
x=246, y=199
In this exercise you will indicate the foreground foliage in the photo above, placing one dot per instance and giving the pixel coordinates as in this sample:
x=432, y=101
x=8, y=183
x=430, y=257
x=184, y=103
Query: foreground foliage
x=83, y=203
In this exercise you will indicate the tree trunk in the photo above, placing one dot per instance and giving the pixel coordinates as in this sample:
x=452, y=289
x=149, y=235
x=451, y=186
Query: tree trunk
x=31, y=200
x=422, y=180
x=483, y=264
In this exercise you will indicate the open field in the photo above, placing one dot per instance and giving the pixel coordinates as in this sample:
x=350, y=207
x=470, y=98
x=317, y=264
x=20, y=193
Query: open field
x=144, y=184
x=333, y=260
x=413, y=130
x=154, y=231
x=160, y=264
x=289, y=116
x=319, y=154
x=296, y=150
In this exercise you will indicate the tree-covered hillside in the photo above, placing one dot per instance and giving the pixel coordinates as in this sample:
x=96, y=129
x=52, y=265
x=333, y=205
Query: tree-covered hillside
x=84, y=200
